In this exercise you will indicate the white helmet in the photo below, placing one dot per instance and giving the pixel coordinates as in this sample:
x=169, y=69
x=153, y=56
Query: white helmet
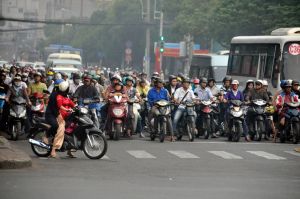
x=63, y=86
x=116, y=76
x=265, y=83
x=249, y=81
x=259, y=81
x=235, y=82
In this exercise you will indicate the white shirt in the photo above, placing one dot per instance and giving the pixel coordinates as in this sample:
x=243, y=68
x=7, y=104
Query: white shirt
x=180, y=93
x=73, y=87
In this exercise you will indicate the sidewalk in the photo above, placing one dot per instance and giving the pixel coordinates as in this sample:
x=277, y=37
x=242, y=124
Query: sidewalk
x=11, y=157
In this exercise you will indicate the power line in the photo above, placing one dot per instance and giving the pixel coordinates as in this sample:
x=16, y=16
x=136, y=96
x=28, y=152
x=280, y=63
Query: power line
x=21, y=29
x=60, y=22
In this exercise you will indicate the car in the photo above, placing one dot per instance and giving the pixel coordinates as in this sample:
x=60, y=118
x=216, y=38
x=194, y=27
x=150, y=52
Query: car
x=39, y=66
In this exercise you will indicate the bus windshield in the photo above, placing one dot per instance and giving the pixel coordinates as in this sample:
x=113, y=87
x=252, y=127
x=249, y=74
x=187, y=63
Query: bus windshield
x=291, y=61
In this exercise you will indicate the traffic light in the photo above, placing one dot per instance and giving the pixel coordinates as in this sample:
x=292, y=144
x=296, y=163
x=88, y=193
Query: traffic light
x=161, y=44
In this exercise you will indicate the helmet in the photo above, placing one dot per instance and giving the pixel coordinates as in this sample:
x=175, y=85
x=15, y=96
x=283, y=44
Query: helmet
x=259, y=81
x=249, y=81
x=290, y=80
x=76, y=76
x=63, y=86
x=50, y=73
x=196, y=81
x=181, y=75
x=295, y=82
x=64, y=74
x=57, y=76
x=227, y=78
x=265, y=83
x=37, y=74
x=155, y=74
x=17, y=78
x=171, y=77
x=129, y=78
x=179, y=79
x=116, y=76
x=58, y=81
x=203, y=80
x=24, y=74
x=235, y=82
x=159, y=80
x=188, y=80
x=282, y=82
x=287, y=84
x=87, y=77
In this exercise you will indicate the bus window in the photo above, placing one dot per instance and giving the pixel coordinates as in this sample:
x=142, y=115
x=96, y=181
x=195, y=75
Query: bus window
x=246, y=65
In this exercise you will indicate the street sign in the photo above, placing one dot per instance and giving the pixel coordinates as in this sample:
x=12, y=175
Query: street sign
x=294, y=49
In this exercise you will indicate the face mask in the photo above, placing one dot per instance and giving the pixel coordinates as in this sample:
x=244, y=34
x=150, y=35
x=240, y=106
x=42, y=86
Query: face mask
x=50, y=78
x=17, y=84
x=76, y=81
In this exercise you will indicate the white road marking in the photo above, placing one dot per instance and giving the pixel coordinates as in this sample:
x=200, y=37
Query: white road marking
x=266, y=155
x=293, y=153
x=141, y=154
x=226, y=155
x=183, y=154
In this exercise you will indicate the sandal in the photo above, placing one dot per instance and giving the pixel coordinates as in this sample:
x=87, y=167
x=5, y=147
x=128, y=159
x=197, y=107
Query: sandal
x=70, y=154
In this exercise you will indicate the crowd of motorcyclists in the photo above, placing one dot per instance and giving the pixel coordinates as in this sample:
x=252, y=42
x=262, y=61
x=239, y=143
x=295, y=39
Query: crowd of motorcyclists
x=127, y=103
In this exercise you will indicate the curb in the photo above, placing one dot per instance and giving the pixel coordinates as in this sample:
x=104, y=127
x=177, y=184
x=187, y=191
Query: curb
x=11, y=157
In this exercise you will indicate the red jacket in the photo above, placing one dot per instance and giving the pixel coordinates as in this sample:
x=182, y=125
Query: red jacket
x=65, y=102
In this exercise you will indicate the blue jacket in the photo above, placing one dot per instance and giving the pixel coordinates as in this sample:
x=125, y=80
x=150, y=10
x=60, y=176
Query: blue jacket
x=154, y=96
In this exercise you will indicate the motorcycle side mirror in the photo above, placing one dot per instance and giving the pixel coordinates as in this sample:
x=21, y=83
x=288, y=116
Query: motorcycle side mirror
x=196, y=94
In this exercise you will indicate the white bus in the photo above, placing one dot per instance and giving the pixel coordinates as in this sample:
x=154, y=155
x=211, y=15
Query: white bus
x=274, y=57
x=65, y=56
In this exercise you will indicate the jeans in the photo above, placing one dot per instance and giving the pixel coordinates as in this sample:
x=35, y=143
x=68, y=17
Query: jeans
x=178, y=114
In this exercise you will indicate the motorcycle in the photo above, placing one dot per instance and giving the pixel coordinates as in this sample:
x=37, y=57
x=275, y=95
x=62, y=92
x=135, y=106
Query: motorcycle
x=17, y=116
x=80, y=134
x=187, y=122
x=161, y=117
x=257, y=126
x=292, y=123
x=203, y=111
x=2, y=102
x=216, y=124
x=93, y=106
x=117, y=112
x=132, y=116
x=269, y=111
x=236, y=118
x=38, y=105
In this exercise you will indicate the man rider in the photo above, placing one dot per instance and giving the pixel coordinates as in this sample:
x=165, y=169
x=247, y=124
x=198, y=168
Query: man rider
x=295, y=87
x=182, y=94
x=156, y=93
x=212, y=86
x=203, y=92
x=86, y=91
x=235, y=94
x=75, y=84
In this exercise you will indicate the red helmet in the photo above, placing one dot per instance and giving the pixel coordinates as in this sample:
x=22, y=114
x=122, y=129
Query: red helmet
x=196, y=81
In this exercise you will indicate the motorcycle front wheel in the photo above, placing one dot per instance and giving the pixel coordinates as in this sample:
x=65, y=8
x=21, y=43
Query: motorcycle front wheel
x=163, y=131
x=16, y=130
x=191, y=131
x=296, y=133
x=97, y=148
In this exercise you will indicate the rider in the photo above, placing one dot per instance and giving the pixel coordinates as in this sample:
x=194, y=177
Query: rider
x=258, y=93
x=3, y=90
x=249, y=86
x=203, y=92
x=235, y=94
x=173, y=85
x=295, y=87
x=64, y=106
x=196, y=83
x=37, y=86
x=286, y=96
x=76, y=83
x=224, y=89
x=182, y=94
x=212, y=86
x=156, y=93
x=86, y=91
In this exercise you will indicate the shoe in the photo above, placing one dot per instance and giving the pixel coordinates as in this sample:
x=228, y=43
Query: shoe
x=173, y=139
x=142, y=135
x=70, y=154
x=247, y=138
x=214, y=136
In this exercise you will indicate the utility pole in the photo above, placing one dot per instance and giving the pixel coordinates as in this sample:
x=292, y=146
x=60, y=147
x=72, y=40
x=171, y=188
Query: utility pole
x=189, y=50
x=161, y=35
x=147, y=50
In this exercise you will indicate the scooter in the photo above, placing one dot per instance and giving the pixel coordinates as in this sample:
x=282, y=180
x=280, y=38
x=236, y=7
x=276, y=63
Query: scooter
x=17, y=116
x=160, y=119
x=117, y=112
x=80, y=134
x=236, y=118
x=292, y=123
x=204, y=116
x=188, y=121
x=38, y=104
x=93, y=106
x=257, y=125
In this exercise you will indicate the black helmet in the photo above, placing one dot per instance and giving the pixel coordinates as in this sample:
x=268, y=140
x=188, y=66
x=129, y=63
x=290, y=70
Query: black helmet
x=181, y=75
x=203, y=80
x=159, y=80
x=76, y=76
x=295, y=82
x=227, y=78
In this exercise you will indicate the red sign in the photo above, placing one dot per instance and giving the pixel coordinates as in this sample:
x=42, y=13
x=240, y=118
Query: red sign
x=294, y=49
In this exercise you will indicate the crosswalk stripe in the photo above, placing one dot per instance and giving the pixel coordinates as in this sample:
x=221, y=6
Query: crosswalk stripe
x=293, y=153
x=266, y=155
x=183, y=154
x=226, y=155
x=141, y=154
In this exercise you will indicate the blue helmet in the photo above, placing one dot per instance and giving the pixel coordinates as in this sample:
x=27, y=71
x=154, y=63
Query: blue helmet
x=282, y=83
x=58, y=81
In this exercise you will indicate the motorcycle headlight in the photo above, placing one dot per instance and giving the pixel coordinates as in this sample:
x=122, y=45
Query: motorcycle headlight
x=117, y=112
x=163, y=110
x=12, y=113
x=23, y=113
x=237, y=113
x=84, y=110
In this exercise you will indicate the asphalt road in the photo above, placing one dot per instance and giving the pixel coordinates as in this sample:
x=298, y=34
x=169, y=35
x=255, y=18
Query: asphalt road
x=140, y=169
